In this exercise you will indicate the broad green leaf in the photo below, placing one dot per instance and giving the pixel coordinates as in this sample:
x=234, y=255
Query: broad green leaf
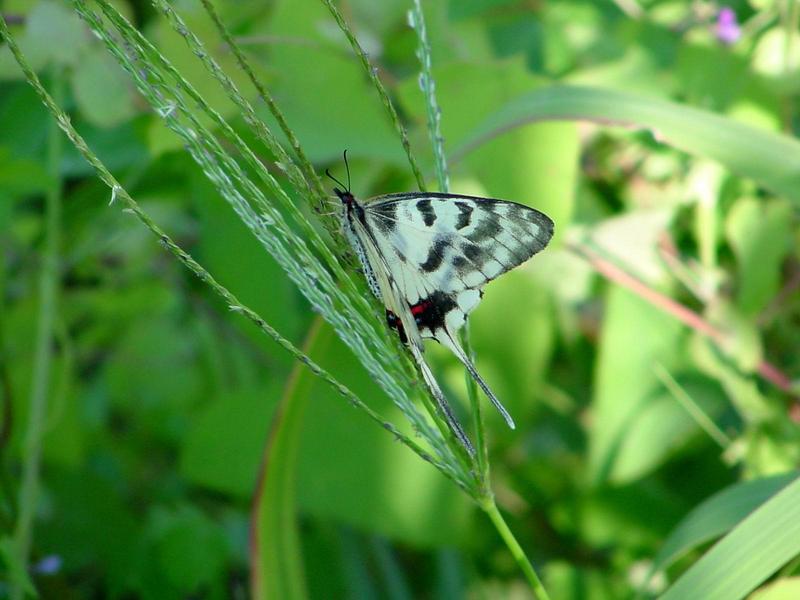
x=773, y=53
x=717, y=515
x=94, y=510
x=763, y=542
x=761, y=235
x=632, y=239
x=53, y=34
x=783, y=589
x=322, y=89
x=568, y=581
x=535, y=165
x=20, y=177
x=24, y=121
x=771, y=159
x=635, y=336
x=742, y=343
x=276, y=564
x=463, y=10
x=189, y=549
x=513, y=335
x=742, y=390
x=222, y=449
x=59, y=30
x=245, y=267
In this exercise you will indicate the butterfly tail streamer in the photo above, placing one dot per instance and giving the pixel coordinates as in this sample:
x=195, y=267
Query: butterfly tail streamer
x=449, y=341
x=441, y=402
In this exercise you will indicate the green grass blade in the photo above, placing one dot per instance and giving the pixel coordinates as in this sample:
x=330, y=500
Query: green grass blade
x=276, y=564
x=717, y=515
x=767, y=539
x=771, y=159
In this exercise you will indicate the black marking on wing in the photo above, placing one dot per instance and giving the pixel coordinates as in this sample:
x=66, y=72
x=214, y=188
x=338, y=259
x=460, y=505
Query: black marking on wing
x=388, y=214
x=459, y=262
x=431, y=312
x=395, y=323
x=472, y=251
x=488, y=227
x=435, y=256
x=502, y=224
x=464, y=214
x=426, y=210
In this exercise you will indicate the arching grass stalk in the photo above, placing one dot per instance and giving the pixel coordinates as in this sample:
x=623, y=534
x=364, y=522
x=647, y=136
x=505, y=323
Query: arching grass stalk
x=489, y=506
x=263, y=132
x=416, y=19
x=427, y=84
x=351, y=316
x=302, y=177
x=120, y=195
x=303, y=161
x=372, y=73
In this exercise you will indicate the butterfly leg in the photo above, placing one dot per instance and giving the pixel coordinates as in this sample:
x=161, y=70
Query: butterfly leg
x=394, y=323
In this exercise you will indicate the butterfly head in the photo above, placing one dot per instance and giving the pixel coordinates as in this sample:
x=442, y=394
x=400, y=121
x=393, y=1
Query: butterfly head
x=345, y=196
x=343, y=192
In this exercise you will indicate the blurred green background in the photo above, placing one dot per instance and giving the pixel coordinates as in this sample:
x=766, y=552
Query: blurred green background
x=160, y=399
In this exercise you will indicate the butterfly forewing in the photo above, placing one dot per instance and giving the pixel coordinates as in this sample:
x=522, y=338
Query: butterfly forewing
x=453, y=244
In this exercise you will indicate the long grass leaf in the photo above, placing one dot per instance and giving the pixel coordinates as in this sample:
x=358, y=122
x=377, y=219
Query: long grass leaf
x=771, y=159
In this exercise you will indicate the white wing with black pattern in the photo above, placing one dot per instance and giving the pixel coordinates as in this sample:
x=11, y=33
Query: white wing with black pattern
x=428, y=256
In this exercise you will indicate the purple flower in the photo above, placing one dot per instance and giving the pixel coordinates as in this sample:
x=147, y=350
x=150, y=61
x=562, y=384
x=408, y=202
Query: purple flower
x=727, y=28
x=49, y=565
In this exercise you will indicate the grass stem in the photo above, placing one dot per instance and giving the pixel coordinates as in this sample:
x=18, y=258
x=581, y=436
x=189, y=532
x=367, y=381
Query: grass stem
x=372, y=73
x=490, y=508
x=43, y=360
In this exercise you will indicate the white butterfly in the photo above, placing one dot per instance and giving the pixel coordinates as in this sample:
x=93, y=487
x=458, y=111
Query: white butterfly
x=428, y=255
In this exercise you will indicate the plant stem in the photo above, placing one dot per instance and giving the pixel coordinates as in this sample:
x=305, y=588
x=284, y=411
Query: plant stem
x=688, y=317
x=489, y=506
x=48, y=290
x=427, y=84
x=372, y=73
x=244, y=64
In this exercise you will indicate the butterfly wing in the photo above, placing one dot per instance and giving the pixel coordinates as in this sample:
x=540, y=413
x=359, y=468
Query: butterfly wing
x=453, y=245
x=441, y=249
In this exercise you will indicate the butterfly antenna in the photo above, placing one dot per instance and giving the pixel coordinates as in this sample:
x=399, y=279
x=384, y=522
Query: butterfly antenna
x=347, y=166
x=328, y=173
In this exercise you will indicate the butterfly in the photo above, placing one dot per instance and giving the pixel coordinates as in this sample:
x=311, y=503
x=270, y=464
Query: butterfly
x=427, y=256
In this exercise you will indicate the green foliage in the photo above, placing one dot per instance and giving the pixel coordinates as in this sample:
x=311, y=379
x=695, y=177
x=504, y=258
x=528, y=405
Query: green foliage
x=647, y=356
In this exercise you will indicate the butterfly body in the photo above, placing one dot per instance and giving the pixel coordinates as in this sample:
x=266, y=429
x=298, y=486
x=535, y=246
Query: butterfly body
x=427, y=256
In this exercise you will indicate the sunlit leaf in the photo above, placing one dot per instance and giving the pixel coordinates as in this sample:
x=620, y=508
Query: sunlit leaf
x=717, y=515
x=758, y=546
x=771, y=159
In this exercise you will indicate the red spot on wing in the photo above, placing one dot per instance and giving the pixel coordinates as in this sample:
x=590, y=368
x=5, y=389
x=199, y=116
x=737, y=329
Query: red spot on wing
x=420, y=308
